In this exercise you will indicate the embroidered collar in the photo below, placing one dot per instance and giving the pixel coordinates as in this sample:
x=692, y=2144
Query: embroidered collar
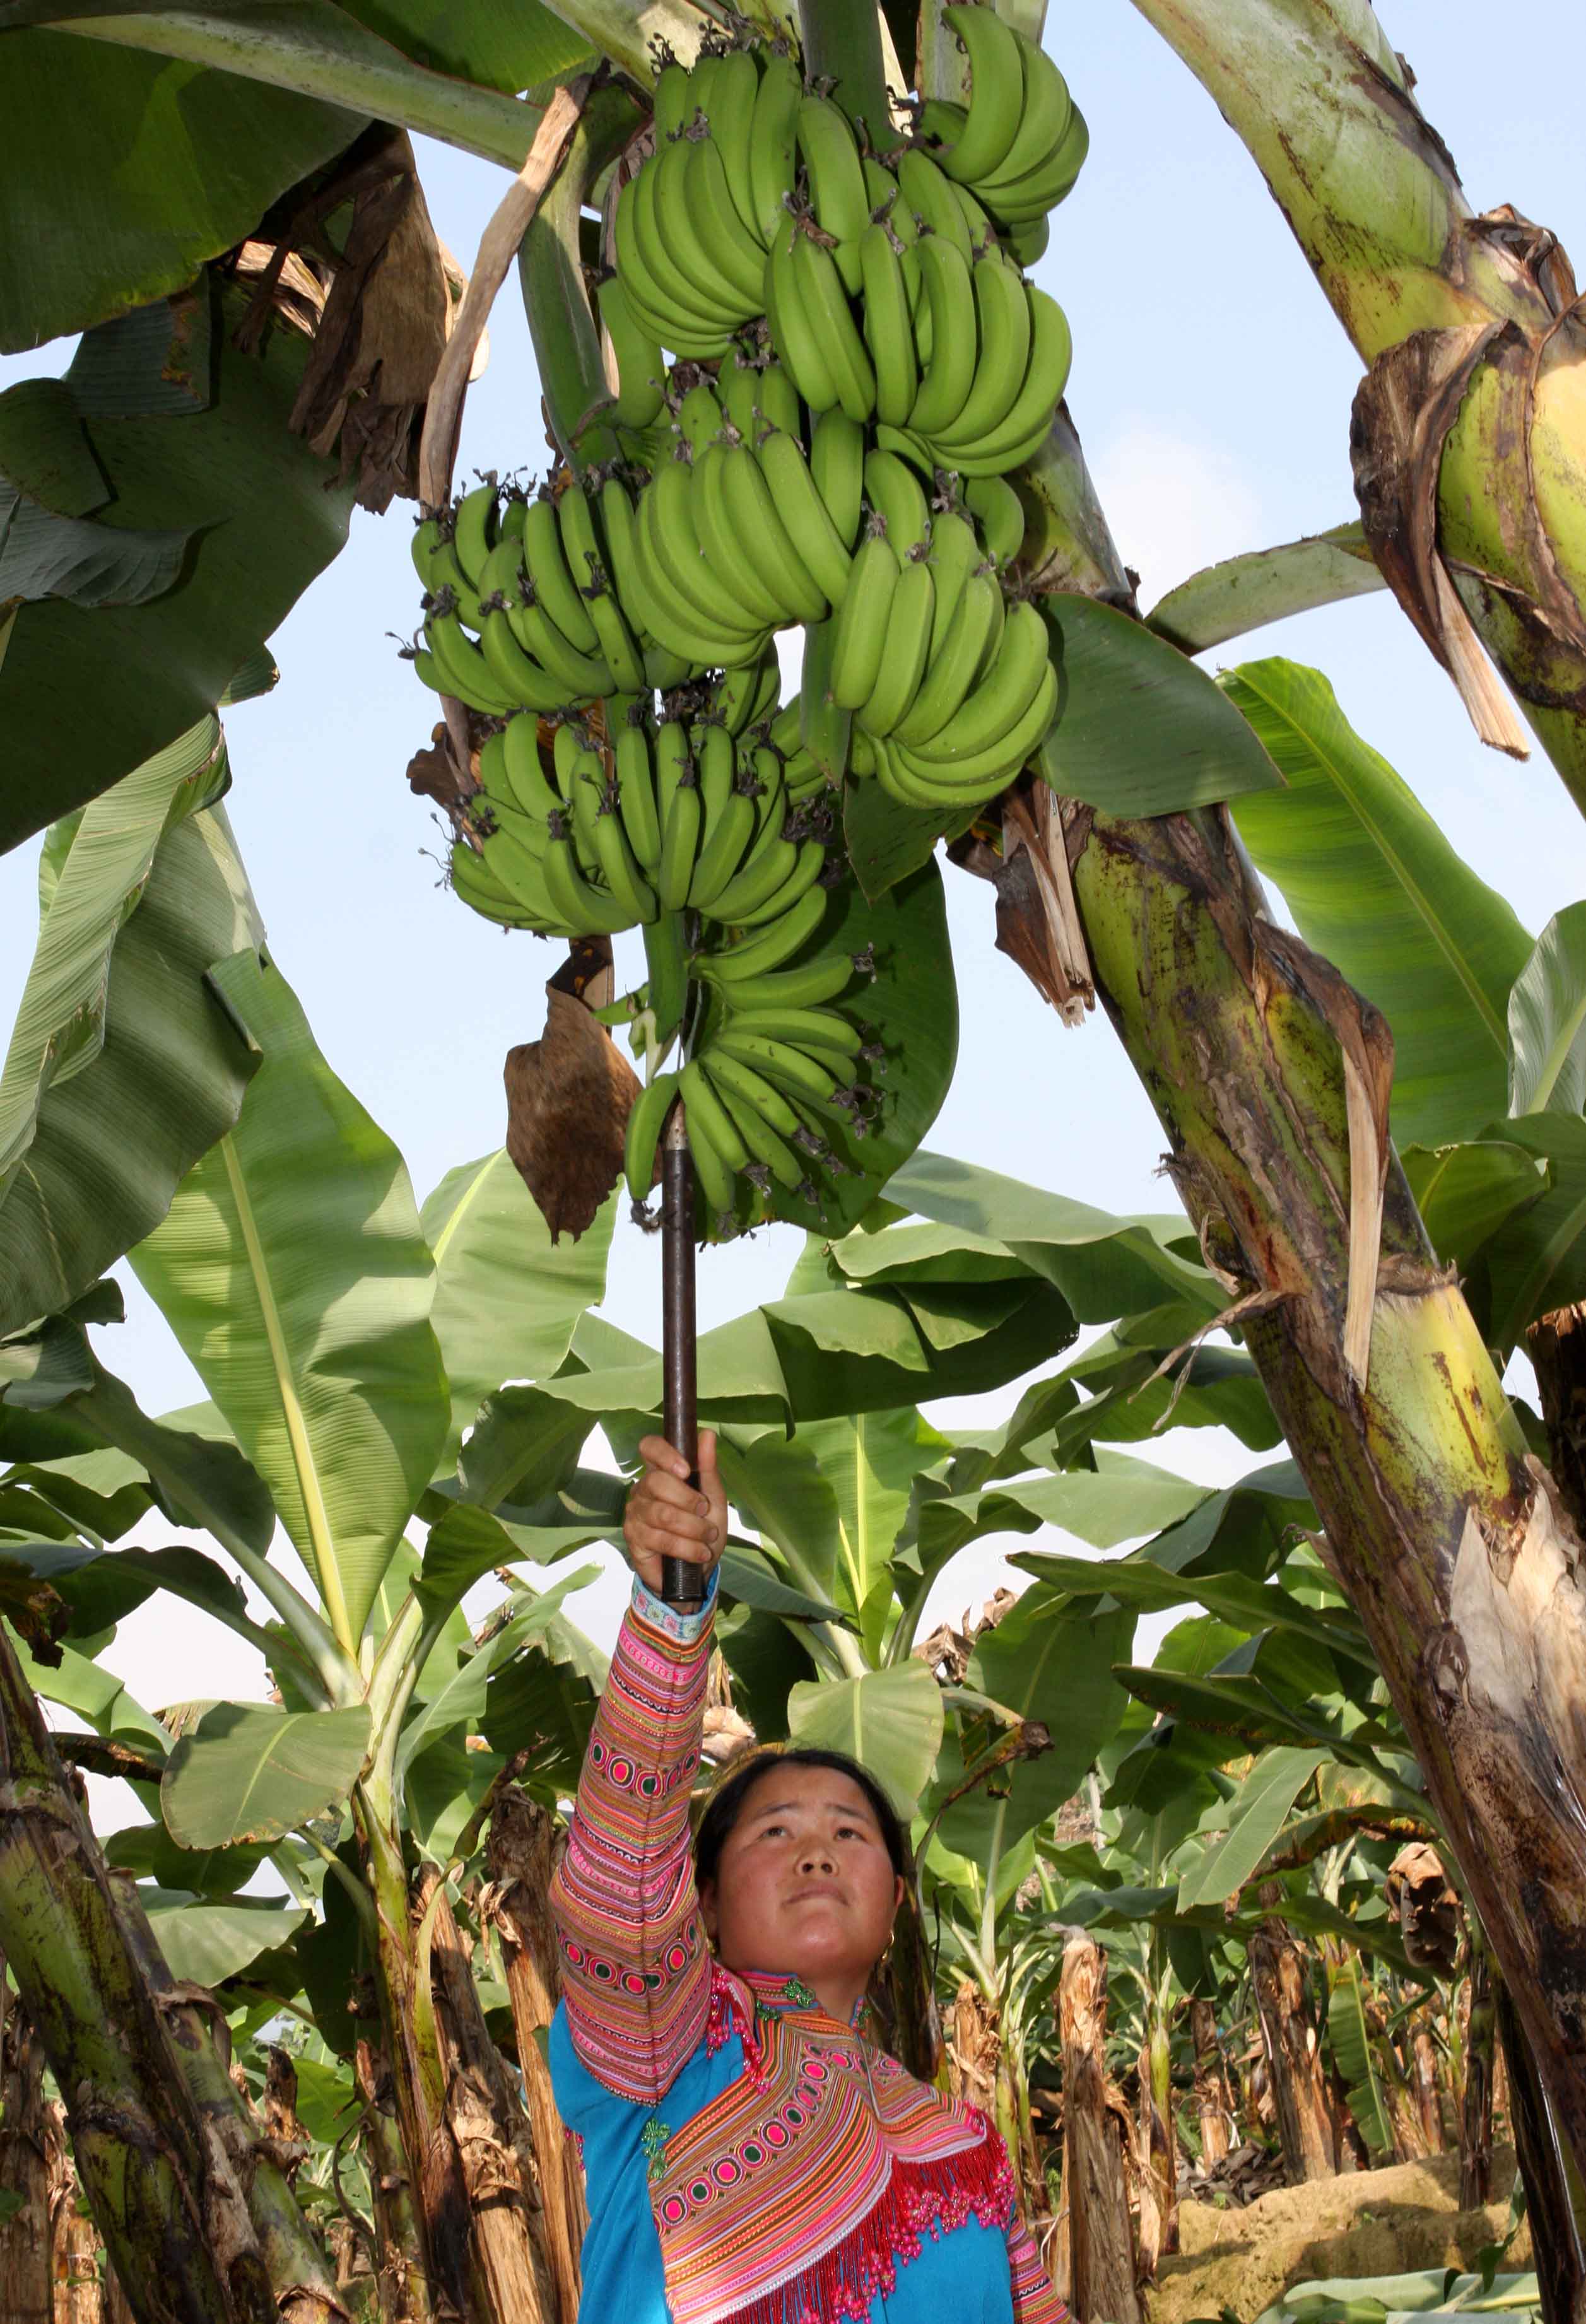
x=777, y=1996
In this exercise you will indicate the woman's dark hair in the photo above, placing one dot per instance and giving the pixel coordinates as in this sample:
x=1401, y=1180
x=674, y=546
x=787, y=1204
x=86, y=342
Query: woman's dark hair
x=727, y=1803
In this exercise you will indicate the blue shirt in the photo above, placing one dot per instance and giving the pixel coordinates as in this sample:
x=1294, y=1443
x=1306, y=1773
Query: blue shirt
x=963, y=2275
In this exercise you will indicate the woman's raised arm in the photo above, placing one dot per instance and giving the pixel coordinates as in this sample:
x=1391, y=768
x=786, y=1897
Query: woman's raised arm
x=636, y=1962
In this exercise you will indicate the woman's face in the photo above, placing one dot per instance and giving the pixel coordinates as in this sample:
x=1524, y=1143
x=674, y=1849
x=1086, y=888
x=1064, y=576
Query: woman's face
x=804, y=1883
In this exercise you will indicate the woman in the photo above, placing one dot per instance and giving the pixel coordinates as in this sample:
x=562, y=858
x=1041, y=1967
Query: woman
x=750, y=2157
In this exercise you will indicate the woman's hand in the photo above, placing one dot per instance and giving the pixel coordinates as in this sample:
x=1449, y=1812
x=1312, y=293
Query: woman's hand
x=666, y=1517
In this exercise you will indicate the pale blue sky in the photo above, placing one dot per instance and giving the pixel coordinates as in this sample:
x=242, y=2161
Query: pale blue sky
x=1212, y=388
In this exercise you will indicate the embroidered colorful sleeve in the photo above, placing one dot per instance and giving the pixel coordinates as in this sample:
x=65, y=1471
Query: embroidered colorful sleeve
x=1034, y=2299
x=635, y=1964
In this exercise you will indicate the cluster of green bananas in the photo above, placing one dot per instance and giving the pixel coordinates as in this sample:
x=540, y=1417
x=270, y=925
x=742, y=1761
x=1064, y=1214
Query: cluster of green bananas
x=529, y=601
x=603, y=832
x=1020, y=143
x=775, y=1075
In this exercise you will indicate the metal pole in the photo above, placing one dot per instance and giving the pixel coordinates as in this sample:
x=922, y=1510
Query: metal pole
x=680, y=1583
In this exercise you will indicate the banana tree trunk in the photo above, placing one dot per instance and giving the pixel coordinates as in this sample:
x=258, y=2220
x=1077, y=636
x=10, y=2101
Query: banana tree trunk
x=1556, y=1345
x=1423, y=2078
x=1213, y=2100
x=1470, y=431
x=1266, y=1070
x=26, y=2135
x=1094, y=2186
x=517, y=1905
x=1476, y=2105
x=491, y=2133
x=402, y=2269
x=1550, y=2212
x=136, y=2136
x=260, y=2207
x=1294, y=2052
x=1159, y=2154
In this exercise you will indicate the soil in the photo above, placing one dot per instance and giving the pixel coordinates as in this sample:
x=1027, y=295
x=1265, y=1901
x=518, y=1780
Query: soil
x=1366, y=2223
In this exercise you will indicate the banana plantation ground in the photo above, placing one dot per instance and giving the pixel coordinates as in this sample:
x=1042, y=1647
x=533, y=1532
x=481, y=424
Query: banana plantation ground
x=1247, y=1889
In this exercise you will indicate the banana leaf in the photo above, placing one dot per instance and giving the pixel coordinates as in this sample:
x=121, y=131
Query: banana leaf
x=1375, y=888
x=1352, y=2047
x=889, y=1720
x=1244, y=593
x=293, y=1272
x=87, y=695
x=506, y=1297
x=247, y=1773
x=1547, y=1021
x=123, y=1068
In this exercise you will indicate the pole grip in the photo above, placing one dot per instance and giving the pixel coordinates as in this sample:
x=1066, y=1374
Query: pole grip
x=680, y=1581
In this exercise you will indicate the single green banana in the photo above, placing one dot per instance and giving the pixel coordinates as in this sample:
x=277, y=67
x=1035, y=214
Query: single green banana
x=473, y=528
x=996, y=93
x=861, y=624
x=950, y=373
x=675, y=100
x=727, y=551
x=526, y=775
x=735, y=252
x=679, y=847
x=781, y=1062
x=895, y=494
x=1022, y=200
x=583, y=678
x=555, y=587
x=646, y=1120
x=836, y=175
x=1044, y=379
x=636, y=792
x=763, y=872
x=477, y=887
x=1000, y=699
x=807, y=870
x=714, y=1173
x=822, y=1031
x=836, y=462
x=618, y=864
x=463, y=671
x=705, y=1112
x=641, y=366
x=825, y=729
x=727, y=838
x=586, y=909
x=732, y=1075
x=888, y=325
x=1003, y=323
x=999, y=512
x=773, y=148
x=954, y=664
x=738, y=697
x=825, y=303
x=969, y=776
x=807, y=986
x=795, y=332
x=732, y=127
x=903, y=657
x=762, y=1146
x=666, y=962
x=1045, y=112
x=804, y=515
x=751, y=513
x=774, y=944
x=929, y=194
x=524, y=681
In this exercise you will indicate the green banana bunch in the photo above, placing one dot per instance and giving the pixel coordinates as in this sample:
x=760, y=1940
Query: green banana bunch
x=1021, y=142
x=693, y=223
x=539, y=585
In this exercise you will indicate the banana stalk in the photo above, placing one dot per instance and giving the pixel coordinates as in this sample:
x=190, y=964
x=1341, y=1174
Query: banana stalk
x=551, y=269
x=139, y=2144
x=1470, y=431
x=1269, y=1077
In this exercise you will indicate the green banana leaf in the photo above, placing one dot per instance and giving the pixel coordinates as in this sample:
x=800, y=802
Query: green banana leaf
x=78, y=1683
x=1054, y=1667
x=506, y=1297
x=889, y=1720
x=1547, y=1021
x=1466, y=1193
x=1535, y=1261
x=148, y=1852
x=460, y=1702
x=869, y=1465
x=248, y=1773
x=1138, y=730
x=1105, y=1267
x=123, y=1067
x=1266, y=584
x=1261, y=1809
x=1352, y=2047
x=1118, y=1501
x=544, y=1700
x=86, y=697
x=293, y=1272
x=1375, y=888
x=158, y=167
x=1235, y=1598
x=204, y=1943
x=509, y=45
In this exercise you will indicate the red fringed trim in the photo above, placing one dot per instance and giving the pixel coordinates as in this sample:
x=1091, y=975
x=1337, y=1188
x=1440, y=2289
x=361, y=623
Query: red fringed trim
x=921, y=2199
x=726, y=2012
